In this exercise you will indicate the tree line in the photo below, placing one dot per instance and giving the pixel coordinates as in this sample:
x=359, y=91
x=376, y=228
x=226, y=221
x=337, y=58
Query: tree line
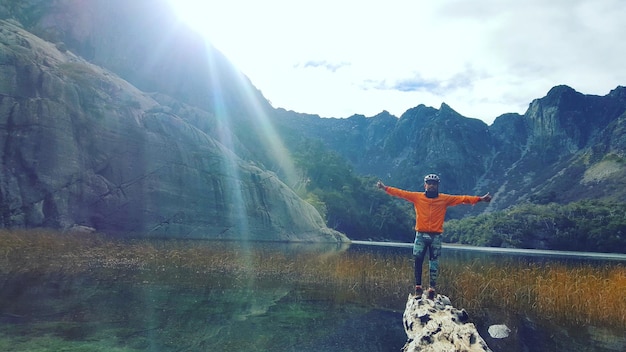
x=587, y=225
x=351, y=204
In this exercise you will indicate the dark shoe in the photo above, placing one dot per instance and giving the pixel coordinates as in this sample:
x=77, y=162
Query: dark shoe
x=418, y=290
x=431, y=293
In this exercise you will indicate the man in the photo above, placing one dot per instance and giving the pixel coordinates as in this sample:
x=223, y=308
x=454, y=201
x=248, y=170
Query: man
x=430, y=211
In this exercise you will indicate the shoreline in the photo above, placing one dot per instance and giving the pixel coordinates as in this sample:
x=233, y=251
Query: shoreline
x=514, y=251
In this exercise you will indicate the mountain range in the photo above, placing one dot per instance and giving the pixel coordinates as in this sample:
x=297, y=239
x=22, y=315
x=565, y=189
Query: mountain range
x=568, y=146
x=116, y=116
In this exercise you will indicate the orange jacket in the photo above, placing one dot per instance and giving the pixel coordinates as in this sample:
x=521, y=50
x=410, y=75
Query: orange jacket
x=430, y=212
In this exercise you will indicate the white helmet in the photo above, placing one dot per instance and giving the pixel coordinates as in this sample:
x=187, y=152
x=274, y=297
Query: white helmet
x=431, y=177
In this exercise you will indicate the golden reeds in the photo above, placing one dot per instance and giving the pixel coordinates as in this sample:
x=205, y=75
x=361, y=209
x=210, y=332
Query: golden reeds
x=576, y=294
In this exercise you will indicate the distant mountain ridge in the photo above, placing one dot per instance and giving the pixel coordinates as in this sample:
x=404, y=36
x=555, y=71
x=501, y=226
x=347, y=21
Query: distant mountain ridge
x=567, y=146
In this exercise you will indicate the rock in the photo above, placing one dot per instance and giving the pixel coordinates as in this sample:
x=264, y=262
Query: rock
x=499, y=331
x=80, y=229
x=80, y=145
x=435, y=325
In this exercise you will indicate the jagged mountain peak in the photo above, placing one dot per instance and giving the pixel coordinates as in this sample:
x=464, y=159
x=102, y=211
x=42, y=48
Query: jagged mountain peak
x=419, y=112
x=429, y=114
x=445, y=108
x=559, y=96
x=618, y=93
x=383, y=114
x=559, y=90
x=514, y=158
x=447, y=113
x=567, y=118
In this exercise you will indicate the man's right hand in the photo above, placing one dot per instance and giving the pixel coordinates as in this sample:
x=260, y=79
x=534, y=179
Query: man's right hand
x=380, y=185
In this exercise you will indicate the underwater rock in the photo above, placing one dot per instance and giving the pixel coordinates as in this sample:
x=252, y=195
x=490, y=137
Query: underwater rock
x=499, y=331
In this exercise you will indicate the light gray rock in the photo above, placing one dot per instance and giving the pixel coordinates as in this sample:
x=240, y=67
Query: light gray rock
x=499, y=331
x=435, y=325
x=81, y=146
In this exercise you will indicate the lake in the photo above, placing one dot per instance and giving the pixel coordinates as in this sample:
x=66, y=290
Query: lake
x=122, y=305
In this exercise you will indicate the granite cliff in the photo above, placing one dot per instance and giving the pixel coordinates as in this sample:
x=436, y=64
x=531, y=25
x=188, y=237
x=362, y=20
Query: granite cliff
x=80, y=145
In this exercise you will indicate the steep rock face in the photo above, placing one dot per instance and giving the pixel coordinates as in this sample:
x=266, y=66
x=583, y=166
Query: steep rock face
x=81, y=146
x=566, y=120
x=566, y=134
x=143, y=42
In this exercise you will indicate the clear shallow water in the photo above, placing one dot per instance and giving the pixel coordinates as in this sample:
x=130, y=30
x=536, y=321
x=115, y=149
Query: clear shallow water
x=172, y=309
x=85, y=314
x=120, y=308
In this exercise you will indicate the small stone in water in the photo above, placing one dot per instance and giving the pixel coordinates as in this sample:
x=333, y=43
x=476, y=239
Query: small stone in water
x=499, y=331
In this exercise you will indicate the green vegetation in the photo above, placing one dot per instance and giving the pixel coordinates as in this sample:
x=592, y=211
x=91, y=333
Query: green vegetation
x=349, y=203
x=352, y=205
x=580, y=226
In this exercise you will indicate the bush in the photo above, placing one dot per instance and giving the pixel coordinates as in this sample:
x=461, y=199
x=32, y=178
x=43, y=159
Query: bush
x=580, y=226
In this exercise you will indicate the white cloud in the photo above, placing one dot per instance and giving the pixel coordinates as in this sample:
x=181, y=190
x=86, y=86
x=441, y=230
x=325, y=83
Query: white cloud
x=482, y=57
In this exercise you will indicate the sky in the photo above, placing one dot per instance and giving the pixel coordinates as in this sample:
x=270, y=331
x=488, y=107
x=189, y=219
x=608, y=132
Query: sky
x=483, y=58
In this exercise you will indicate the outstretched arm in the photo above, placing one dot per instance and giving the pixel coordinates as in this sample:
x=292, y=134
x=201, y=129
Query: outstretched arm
x=486, y=198
x=380, y=185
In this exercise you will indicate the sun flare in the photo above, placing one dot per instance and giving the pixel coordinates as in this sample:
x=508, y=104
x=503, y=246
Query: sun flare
x=199, y=15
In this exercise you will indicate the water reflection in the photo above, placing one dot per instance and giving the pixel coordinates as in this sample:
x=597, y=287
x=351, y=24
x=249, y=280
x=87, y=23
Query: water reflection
x=173, y=307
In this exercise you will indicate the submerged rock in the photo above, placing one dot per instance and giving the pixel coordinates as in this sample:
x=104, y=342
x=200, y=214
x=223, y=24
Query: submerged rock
x=435, y=325
x=499, y=331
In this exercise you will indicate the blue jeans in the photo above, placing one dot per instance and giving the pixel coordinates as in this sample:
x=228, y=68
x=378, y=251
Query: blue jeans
x=427, y=241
